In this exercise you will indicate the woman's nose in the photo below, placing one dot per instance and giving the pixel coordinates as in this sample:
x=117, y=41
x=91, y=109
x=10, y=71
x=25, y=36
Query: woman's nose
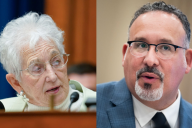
x=50, y=74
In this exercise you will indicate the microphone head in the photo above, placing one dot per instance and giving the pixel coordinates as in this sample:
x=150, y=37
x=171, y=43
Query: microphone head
x=74, y=97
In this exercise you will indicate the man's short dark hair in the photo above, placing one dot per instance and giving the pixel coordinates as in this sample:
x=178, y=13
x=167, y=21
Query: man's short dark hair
x=82, y=68
x=162, y=6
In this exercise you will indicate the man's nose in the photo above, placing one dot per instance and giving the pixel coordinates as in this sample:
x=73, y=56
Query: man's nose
x=151, y=58
x=50, y=74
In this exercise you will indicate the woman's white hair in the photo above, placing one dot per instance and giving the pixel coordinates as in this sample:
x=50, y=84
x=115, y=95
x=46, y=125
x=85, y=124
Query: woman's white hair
x=27, y=30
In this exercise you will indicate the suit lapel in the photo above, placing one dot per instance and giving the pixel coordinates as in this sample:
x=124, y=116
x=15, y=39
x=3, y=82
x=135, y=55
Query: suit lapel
x=185, y=120
x=121, y=115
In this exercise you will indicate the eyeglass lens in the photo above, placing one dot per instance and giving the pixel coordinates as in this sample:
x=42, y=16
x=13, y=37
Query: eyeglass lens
x=164, y=51
x=38, y=68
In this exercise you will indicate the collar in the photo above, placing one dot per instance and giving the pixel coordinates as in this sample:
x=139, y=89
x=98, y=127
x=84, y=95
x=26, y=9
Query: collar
x=144, y=114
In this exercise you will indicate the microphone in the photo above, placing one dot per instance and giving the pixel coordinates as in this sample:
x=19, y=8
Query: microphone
x=73, y=98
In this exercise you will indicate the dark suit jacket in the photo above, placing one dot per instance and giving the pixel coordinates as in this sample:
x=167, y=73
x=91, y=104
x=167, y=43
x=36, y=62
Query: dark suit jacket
x=115, y=107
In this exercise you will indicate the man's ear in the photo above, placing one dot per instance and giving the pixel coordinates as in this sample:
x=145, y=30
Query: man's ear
x=188, y=56
x=124, y=51
x=14, y=82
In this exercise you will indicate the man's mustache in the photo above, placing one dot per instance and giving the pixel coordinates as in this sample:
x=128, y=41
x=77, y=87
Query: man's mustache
x=151, y=70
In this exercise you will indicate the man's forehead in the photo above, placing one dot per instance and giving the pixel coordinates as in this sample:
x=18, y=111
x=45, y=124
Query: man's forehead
x=156, y=14
x=162, y=23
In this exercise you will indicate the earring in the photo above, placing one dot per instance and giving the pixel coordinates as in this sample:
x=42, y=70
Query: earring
x=21, y=93
x=23, y=96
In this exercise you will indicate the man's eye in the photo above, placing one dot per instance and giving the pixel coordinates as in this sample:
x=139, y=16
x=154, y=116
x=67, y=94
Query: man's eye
x=141, y=45
x=165, y=48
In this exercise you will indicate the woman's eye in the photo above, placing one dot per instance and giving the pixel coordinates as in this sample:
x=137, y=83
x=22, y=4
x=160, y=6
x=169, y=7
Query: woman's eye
x=37, y=68
x=56, y=62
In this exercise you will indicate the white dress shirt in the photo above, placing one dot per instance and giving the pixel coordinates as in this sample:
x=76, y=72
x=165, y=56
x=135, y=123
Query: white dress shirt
x=144, y=114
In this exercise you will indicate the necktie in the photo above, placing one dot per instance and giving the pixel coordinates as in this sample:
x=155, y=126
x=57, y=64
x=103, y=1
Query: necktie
x=160, y=121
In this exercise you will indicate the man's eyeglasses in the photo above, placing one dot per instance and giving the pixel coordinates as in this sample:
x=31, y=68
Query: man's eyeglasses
x=163, y=50
x=56, y=62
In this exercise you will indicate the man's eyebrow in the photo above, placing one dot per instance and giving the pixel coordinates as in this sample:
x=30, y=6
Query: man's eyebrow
x=140, y=39
x=165, y=41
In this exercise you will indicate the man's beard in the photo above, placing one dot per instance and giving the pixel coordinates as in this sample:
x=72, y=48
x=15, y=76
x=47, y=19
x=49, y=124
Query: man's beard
x=146, y=93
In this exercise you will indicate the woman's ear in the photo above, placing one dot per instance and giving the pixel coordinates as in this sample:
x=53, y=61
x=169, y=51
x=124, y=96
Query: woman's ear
x=188, y=56
x=13, y=82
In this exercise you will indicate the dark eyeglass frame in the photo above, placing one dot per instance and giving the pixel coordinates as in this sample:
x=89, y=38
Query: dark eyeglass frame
x=175, y=46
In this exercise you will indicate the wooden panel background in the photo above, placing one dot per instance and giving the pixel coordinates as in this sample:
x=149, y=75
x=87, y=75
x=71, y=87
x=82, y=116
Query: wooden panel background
x=78, y=19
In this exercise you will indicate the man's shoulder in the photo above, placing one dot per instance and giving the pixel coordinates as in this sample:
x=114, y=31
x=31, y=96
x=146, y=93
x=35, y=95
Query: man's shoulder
x=104, y=95
x=185, y=114
x=187, y=106
x=114, y=105
x=105, y=92
x=102, y=88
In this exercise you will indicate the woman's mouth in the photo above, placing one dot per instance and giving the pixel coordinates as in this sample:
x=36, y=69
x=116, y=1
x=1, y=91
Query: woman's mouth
x=53, y=90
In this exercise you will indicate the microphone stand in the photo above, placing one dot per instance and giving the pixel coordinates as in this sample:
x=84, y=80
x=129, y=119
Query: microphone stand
x=73, y=98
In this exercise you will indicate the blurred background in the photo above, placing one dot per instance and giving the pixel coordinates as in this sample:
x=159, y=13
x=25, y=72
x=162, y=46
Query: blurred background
x=76, y=17
x=113, y=19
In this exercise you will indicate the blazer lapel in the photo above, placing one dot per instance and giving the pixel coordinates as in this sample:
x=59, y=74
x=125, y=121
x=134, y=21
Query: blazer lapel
x=185, y=120
x=121, y=115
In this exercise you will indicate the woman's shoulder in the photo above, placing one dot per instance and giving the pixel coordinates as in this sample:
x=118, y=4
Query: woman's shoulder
x=14, y=104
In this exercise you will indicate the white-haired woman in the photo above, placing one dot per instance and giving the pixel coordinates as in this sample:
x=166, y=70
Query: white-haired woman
x=32, y=52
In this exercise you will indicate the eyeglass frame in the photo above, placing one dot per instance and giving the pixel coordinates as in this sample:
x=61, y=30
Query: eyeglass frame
x=175, y=46
x=45, y=66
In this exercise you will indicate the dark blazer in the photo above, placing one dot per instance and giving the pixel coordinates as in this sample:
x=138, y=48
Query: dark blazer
x=115, y=107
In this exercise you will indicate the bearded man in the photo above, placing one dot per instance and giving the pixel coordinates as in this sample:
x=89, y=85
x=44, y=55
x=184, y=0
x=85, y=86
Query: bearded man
x=155, y=59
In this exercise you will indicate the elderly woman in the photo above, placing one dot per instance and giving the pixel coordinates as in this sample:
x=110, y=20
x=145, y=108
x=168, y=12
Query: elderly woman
x=32, y=52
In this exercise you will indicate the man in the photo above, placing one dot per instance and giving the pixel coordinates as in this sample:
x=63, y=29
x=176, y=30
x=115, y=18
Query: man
x=84, y=73
x=155, y=59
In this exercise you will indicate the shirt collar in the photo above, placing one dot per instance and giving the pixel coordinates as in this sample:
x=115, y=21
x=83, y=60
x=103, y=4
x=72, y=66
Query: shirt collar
x=144, y=114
